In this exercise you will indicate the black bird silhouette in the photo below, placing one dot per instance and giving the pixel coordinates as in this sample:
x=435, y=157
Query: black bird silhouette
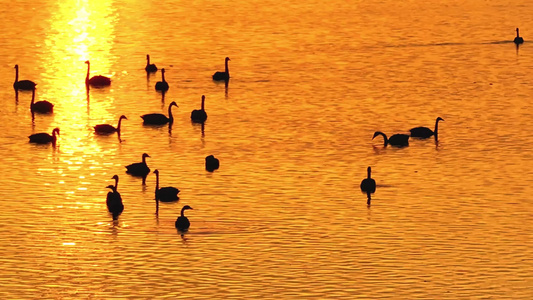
x=107, y=129
x=424, y=132
x=139, y=169
x=165, y=194
x=199, y=115
x=182, y=223
x=222, y=75
x=368, y=185
x=44, y=138
x=150, y=68
x=162, y=85
x=114, y=202
x=43, y=107
x=518, y=39
x=398, y=140
x=159, y=119
x=96, y=81
x=211, y=163
x=24, y=85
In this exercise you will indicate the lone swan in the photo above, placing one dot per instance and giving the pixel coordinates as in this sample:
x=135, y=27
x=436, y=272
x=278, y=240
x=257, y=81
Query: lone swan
x=218, y=76
x=518, y=39
x=182, y=223
x=96, y=81
x=424, y=132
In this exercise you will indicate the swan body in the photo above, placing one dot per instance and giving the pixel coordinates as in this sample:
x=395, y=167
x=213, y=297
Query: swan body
x=96, y=81
x=114, y=202
x=182, y=223
x=43, y=107
x=199, y=115
x=44, y=138
x=165, y=194
x=139, y=169
x=398, y=140
x=211, y=163
x=159, y=119
x=24, y=85
x=162, y=85
x=424, y=132
x=107, y=129
x=218, y=76
x=368, y=185
x=150, y=68
x=518, y=39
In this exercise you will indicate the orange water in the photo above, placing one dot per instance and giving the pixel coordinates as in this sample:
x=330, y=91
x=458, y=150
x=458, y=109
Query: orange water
x=283, y=217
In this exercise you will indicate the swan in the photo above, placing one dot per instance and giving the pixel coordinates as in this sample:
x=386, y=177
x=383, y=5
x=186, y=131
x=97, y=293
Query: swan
x=106, y=128
x=518, y=39
x=368, y=185
x=24, y=85
x=182, y=223
x=424, y=132
x=139, y=169
x=162, y=85
x=222, y=75
x=160, y=119
x=97, y=80
x=114, y=202
x=199, y=115
x=43, y=107
x=165, y=194
x=44, y=138
x=399, y=140
x=150, y=68
x=211, y=163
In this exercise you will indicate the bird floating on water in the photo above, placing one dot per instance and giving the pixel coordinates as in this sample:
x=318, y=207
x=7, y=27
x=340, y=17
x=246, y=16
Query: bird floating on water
x=24, y=85
x=211, y=163
x=162, y=85
x=139, y=169
x=182, y=223
x=150, y=68
x=96, y=81
x=114, y=202
x=424, y=132
x=368, y=185
x=518, y=39
x=43, y=107
x=398, y=140
x=165, y=194
x=45, y=138
x=218, y=76
x=199, y=115
x=107, y=128
x=159, y=119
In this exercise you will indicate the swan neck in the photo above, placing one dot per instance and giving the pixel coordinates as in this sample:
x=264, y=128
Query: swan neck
x=517, y=34
x=16, y=74
x=116, y=183
x=368, y=172
x=163, y=76
x=119, y=122
x=88, y=70
x=226, y=67
x=203, y=103
x=156, y=184
x=436, y=132
x=183, y=212
x=170, y=117
x=147, y=60
x=32, y=98
x=385, y=139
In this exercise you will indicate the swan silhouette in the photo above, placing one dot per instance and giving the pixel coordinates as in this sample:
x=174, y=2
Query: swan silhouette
x=398, y=140
x=211, y=163
x=159, y=119
x=162, y=85
x=424, y=132
x=150, y=68
x=199, y=115
x=139, y=169
x=24, y=85
x=107, y=129
x=518, y=39
x=44, y=138
x=114, y=202
x=165, y=194
x=182, y=223
x=43, y=107
x=222, y=75
x=368, y=185
x=96, y=81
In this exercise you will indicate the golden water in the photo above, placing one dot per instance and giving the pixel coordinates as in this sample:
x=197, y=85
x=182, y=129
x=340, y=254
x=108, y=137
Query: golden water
x=283, y=217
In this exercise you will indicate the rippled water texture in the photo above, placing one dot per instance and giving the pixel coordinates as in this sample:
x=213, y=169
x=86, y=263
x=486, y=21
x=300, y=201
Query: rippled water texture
x=283, y=217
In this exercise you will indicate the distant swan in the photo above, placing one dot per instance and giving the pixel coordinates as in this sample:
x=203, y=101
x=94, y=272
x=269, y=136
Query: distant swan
x=199, y=115
x=44, y=138
x=150, y=68
x=25, y=85
x=106, y=128
x=211, y=163
x=97, y=80
x=139, y=169
x=159, y=119
x=162, y=85
x=182, y=223
x=165, y=194
x=114, y=202
x=398, y=140
x=424, y=132
x=518, y=39
x=223, y=75
x=43, y=107
x=368, y=185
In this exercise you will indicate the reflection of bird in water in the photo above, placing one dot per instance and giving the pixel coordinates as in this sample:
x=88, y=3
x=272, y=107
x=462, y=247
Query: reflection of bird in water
x=139, y=169
x=150, y=68
x=114, y=202
x=518, y=39
x=43, y=107
x=98, y=80
x=222, y=75
x=211, y=163
x=106, y=128
x=199, y=115
x=162, y=85
x=424, y=132
x=44, y=138
x=182, y=223
x=24, y=85
x=159, y=119
x=368, y=185
x=398, y=140
x=165, y=194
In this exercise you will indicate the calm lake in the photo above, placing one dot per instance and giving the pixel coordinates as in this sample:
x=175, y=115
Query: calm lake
x=283, y=217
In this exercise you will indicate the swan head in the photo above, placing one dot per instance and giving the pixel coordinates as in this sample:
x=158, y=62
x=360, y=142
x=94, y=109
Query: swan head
x=227, y=58
x=16, y=67
x=173, y=103
x=55, y=131
x=378, y=133
x=123, y=117
x=186, y=207
x=163, y=70
x=87, y=62
x=115, y=177
x=156, y=172
x=145, y=155
x=440, y=119
x=112, y=187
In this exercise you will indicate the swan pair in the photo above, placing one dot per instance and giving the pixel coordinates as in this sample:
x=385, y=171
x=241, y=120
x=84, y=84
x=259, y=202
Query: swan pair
x=402, y=140
x=197, y=115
